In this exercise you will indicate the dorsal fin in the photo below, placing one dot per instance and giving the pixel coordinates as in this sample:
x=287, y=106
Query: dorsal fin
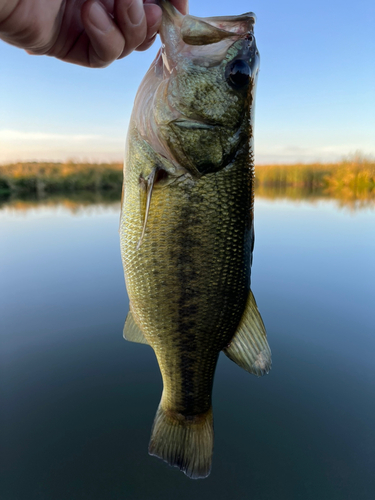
x=249, y=348
x=132, y=332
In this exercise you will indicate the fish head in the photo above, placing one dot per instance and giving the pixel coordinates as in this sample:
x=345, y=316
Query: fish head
x=211, y=66
x=196, y=108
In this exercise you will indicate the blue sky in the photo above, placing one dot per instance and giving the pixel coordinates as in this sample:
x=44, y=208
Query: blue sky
x=315, y=97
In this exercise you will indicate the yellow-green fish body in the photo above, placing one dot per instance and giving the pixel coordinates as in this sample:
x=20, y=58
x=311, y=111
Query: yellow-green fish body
x=187, y=224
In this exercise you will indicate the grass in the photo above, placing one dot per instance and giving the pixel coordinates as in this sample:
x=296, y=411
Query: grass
x=351, y=181
x=59, y=177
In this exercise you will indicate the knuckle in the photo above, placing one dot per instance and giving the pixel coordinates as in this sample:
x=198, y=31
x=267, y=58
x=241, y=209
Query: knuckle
x=29, y=31
x=26, y=28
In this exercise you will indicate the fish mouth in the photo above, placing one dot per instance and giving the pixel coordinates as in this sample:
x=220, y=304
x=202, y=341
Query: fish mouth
x=193, y=124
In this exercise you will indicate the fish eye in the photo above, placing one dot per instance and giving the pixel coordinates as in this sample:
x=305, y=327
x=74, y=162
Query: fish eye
x=238, y=74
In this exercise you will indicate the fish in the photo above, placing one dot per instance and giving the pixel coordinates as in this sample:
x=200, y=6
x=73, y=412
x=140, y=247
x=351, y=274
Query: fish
x=187, y=224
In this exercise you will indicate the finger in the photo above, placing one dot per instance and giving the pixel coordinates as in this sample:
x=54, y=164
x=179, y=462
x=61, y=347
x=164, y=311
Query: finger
x=146, y=44
x=131, y=19
x=181, y=5
x=153, y=17
x=106, y=41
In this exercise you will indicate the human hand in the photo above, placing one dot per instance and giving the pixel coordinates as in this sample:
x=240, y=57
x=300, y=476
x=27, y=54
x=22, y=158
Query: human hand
x=90, y=33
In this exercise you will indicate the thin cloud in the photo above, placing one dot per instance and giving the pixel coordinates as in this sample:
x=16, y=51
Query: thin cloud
x=16, y=145
x=16, y=135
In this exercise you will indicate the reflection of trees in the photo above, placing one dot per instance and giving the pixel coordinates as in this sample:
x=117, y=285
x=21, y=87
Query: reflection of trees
x=73, y=202
x=343, y=199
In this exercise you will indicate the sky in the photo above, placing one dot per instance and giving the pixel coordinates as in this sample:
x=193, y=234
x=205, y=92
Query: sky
x=315, y=95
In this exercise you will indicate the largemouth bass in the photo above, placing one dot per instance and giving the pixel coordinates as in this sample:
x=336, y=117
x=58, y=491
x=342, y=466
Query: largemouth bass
x=187, y=223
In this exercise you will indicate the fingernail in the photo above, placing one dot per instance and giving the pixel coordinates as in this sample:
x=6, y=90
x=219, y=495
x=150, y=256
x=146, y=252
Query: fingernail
x=136, y=12
x=99, y=18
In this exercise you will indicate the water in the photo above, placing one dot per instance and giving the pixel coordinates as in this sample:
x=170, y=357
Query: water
x=79, y=401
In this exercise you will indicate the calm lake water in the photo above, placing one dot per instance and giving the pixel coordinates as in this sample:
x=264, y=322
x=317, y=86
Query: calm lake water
x=79, y=401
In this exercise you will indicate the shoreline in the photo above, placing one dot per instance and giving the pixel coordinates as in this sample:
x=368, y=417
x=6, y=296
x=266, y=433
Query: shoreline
x=349, y=181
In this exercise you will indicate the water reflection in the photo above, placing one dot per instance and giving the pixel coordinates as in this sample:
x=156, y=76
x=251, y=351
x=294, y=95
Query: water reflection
x=78, y=401
x=344, y=198
x=71, y=201
x=76, y=201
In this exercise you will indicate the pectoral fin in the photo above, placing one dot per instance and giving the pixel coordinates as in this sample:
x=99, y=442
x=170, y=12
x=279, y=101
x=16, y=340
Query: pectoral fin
x=158, y=176
x=149, y=189
x=132, y=332
x=249, y=347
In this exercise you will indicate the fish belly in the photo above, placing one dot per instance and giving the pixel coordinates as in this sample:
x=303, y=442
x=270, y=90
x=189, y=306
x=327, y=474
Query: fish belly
x=189, y=280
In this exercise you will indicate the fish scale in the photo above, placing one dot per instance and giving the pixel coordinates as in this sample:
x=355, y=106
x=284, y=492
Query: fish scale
x=174, y=284
x=187, y=227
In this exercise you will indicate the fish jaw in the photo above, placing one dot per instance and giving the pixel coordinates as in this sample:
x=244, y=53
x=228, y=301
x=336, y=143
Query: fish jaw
x=200, y=39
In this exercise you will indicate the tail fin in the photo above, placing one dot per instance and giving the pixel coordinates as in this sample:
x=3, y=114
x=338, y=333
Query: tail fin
x=184, y=442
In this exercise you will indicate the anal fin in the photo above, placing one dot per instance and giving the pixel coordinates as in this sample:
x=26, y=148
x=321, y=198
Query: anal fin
x=132, y=332
x=249, y=348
